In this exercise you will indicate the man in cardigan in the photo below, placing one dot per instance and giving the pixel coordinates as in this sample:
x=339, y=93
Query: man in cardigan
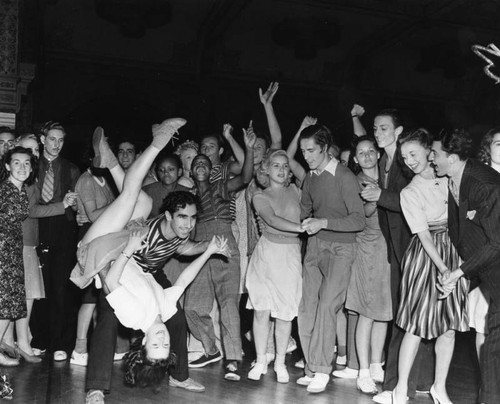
x=474, y=220
x=332, y=213
x=58, y=237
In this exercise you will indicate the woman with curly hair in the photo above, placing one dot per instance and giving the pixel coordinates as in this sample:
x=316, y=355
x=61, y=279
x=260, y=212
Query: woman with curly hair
x=19, y=164
x=187, y=152
x=274, y=277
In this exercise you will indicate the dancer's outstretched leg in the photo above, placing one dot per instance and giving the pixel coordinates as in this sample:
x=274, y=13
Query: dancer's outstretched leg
x=132, y=203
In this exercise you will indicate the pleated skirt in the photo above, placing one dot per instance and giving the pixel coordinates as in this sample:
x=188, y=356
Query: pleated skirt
x=421, y=312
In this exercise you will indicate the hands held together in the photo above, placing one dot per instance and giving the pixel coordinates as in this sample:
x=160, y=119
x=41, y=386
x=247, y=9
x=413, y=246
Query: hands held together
x=447, y=282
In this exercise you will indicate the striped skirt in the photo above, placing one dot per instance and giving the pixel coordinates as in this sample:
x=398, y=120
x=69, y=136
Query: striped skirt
x=421, y=312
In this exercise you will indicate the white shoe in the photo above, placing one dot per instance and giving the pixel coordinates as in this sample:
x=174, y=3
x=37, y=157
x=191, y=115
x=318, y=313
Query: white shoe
x=318, y=383
x=119, y=356
x=347, y=373
x=366, y=385
x=281, y=373
x=304, y=380
x=257, y=371
x=300, y=364
x=80, y=359
x=38, y=352
x=377, y=373
x=60, y=356
x=341, y=360
x=383, y=398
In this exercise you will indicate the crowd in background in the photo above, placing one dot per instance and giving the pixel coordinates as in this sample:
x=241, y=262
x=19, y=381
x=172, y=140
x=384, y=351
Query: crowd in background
x=379, y=252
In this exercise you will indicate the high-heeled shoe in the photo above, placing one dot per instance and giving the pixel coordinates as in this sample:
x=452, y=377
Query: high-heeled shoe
x=27, y=357
x=436, y=398
x=9, y=350
x=393, y=397
x=8, y=361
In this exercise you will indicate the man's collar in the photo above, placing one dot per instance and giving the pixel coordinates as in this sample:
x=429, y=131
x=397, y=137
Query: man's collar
x=49, y=161
x=457, y=177
x=331, y=167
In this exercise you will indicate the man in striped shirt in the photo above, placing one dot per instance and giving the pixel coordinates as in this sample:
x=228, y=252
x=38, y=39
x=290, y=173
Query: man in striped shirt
x=220, y=277
x=168, y=235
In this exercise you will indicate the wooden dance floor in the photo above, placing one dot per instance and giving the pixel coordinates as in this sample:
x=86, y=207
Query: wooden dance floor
x=62, y=383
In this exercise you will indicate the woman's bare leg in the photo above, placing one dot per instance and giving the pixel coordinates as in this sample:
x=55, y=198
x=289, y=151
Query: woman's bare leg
x=22, y=329
x=445, y=344
x=129, y=204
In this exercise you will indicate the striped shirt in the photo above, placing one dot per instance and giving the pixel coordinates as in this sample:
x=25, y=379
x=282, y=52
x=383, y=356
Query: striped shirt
x=215, y=203
x=221, y=172
x=158, y=249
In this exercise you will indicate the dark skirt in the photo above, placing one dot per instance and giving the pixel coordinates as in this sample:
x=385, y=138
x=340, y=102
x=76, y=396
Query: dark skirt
x=421, y=312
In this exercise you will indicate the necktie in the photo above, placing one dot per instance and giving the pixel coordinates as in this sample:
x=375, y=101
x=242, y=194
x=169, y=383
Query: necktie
x=48, y=184
x=454, y=190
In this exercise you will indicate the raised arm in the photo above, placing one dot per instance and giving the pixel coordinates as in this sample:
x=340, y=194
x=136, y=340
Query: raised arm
x=236, y=166
x=267, y=100
x=357, y=112
x=246, y=174
x=295, y=166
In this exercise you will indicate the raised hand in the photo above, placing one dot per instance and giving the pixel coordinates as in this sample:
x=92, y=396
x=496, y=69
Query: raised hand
x=227, y=130
x=357, y=110
x=308, y=121
x=249, y=136
x=267, y=97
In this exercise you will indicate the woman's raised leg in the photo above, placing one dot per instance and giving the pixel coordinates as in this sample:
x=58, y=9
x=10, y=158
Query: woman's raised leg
x=132, y=203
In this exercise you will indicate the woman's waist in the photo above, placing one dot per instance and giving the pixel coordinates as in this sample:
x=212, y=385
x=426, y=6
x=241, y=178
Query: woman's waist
x=281, y=238
x=438, y=227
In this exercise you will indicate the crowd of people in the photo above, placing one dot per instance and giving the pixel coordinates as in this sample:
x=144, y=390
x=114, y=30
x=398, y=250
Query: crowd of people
x=380, y=252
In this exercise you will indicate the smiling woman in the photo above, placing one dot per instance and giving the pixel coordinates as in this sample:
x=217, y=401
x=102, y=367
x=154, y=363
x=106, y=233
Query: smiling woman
x=14, y=208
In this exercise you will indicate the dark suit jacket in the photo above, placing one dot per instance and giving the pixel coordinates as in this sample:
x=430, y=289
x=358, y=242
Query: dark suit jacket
x=392, y=222
x=474, y=225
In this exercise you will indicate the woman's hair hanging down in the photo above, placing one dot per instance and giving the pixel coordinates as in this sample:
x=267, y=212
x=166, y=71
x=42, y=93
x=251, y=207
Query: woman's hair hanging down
x=143, y=372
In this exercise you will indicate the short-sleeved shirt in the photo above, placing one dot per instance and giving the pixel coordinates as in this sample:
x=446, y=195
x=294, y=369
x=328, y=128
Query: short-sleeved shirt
x=424, y=202
x=139, y=298
x=157, y=249
x=89, y=189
